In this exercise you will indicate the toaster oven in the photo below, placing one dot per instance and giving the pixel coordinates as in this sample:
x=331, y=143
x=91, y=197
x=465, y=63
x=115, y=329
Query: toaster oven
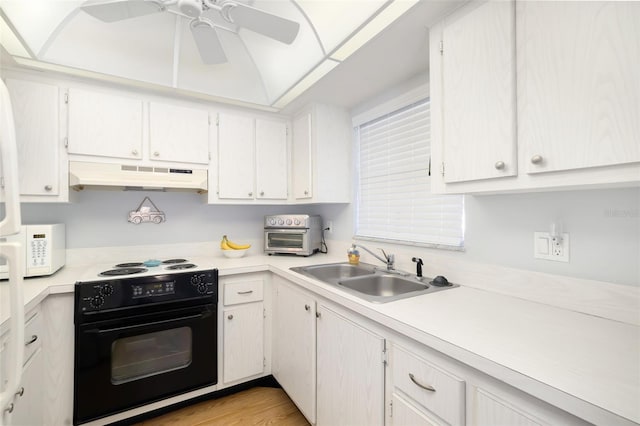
x=298, y=234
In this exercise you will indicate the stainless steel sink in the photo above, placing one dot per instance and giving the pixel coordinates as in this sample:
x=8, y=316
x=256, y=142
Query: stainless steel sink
x=383, y=285
x=368, y=282
x=334, y=272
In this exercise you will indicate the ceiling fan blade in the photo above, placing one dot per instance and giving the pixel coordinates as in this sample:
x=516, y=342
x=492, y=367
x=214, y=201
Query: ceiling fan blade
x=118, y=10
x=262, y=22
x=208, y=43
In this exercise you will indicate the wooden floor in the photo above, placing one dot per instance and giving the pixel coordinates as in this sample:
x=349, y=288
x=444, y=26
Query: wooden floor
x=256, y=406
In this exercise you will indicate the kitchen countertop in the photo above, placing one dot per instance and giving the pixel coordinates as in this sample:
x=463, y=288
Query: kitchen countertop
x=582, y=363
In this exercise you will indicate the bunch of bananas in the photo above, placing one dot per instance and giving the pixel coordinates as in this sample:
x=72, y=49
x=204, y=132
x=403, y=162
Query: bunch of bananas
x=225, y=244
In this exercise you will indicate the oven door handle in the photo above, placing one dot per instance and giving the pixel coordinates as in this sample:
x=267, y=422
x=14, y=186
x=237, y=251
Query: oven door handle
x=146, y=324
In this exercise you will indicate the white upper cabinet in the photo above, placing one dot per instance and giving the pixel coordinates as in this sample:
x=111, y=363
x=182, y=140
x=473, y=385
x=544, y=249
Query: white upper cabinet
x=321, y=157
x=271, y=159
x=579, y=84
x=301, y=157
x=236, y=161
x=478, y=88
x=104, y=124
x=36, y=114
x=252, y=159
x=574, y=122
x=178, y=133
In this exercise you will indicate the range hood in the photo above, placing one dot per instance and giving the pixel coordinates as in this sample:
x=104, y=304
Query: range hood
x=83, y=174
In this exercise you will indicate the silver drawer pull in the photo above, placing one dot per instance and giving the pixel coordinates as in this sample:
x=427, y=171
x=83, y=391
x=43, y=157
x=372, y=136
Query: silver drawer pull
x=307, y=307
x=9, y=408
x=32, y=340
x=420, y=385
x=230, y=316
x=245, y=292
x=20, y=392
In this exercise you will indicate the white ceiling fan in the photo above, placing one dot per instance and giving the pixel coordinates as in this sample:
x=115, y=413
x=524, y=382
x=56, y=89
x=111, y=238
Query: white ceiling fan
x=202, y=28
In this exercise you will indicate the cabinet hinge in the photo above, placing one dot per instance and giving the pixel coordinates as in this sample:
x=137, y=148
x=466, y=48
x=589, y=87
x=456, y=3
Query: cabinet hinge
x=218, y=120
x=66, y=98
x=384, y=357
x=286, y=130
x=441, y=47
x=264, y=361
x=1, y=181
x=264, y=313
x=442, y=169
x=66, y=142
x=391, y=409
x=209, y=119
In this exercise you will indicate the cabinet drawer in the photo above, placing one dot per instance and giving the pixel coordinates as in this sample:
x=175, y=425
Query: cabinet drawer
x=242, y=292
x=33, y=330
x=436, y=390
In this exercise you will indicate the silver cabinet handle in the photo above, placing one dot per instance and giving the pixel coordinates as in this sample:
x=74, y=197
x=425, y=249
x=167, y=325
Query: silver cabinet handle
x=318, y=315
x=20, y=392
x=306, y=192
x=134, y=152
x=245, y=292
x=251, y=194
x=420, y=385
x=48, y=187
x=32, y=340
x=156, y=154
x=262, y=193
x=536, y=159
x=499, y=165
x=230, y=316
x=9, y=408
x=307, y=307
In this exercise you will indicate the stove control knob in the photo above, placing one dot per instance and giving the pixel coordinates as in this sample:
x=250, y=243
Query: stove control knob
x=96, y=301
x=106, y=290
x=196, y=279
x=202, y=288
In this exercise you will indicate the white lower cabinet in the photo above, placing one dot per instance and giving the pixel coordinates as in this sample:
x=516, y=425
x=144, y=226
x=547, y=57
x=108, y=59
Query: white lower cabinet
x=27, y=405
x=331, y=367
x=294, y=345
x=243, y=329
x=350, y=372
x=404, y=412
x=425, y=389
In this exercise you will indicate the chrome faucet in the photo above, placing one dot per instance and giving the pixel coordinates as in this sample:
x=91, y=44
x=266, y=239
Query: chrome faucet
x=388, y=259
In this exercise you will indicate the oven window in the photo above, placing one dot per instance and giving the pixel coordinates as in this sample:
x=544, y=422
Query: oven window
x=136, y=357
x=284, y=240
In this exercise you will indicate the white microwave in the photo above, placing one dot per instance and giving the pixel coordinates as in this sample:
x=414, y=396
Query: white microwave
x=44, y=249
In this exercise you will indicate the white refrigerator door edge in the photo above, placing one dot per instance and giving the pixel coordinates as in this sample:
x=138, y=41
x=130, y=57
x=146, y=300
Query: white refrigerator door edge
x=13, y=253
x=9, y=152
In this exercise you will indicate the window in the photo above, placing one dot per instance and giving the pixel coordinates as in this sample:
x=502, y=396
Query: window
x=394, y=198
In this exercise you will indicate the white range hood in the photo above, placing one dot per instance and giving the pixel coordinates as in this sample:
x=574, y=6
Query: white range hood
x=84, y=174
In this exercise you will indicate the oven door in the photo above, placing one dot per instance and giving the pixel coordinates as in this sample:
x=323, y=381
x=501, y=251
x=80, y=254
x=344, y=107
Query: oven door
x=127, y=362
x=286, y=241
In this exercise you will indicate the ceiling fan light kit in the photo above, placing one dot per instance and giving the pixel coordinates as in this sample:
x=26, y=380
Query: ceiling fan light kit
x=203, y=31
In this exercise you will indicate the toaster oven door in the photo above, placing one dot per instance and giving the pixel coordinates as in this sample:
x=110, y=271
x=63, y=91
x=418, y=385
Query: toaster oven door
x=286, y=240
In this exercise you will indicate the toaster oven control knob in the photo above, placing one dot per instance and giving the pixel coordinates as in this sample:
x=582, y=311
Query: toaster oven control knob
x=288, y=221
x=272, y=221
x=96, y=301
x=106, y=290
x=280, y=222
x=296, y=222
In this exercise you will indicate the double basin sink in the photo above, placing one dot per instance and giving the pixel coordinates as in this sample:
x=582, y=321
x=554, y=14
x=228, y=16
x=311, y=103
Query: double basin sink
x=368, y=282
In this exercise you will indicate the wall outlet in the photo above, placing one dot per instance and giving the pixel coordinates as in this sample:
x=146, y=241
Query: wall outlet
x=329, y=227
x=551, y=248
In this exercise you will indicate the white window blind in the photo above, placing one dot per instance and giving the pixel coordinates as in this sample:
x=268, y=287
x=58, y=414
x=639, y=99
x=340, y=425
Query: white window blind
x=394, y=198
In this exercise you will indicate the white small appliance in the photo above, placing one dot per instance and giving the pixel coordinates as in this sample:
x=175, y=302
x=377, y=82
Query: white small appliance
x=299, y=234
x=44, y=249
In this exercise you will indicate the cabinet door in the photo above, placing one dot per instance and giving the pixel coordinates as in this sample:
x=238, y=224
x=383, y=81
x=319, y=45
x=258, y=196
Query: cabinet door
x=104, y=125
x=403, y=413
x=271, y=159
x=28, y=408
x=478, y=92
x=35, y=112
x=350, y=372
x=579, y=90
x=236, y=163
x=488, y=410
x=294, y=347
x=178, y=134
x=243, y=341
x=301, y=157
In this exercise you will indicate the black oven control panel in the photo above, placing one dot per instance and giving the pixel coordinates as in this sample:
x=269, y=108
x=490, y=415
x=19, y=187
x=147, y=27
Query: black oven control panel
x=147, y=290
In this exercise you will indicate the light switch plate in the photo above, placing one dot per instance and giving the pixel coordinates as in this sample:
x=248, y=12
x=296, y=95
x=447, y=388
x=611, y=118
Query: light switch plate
x=545, y=247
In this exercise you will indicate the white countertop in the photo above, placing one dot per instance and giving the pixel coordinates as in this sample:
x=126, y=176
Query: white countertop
x=574, y=360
